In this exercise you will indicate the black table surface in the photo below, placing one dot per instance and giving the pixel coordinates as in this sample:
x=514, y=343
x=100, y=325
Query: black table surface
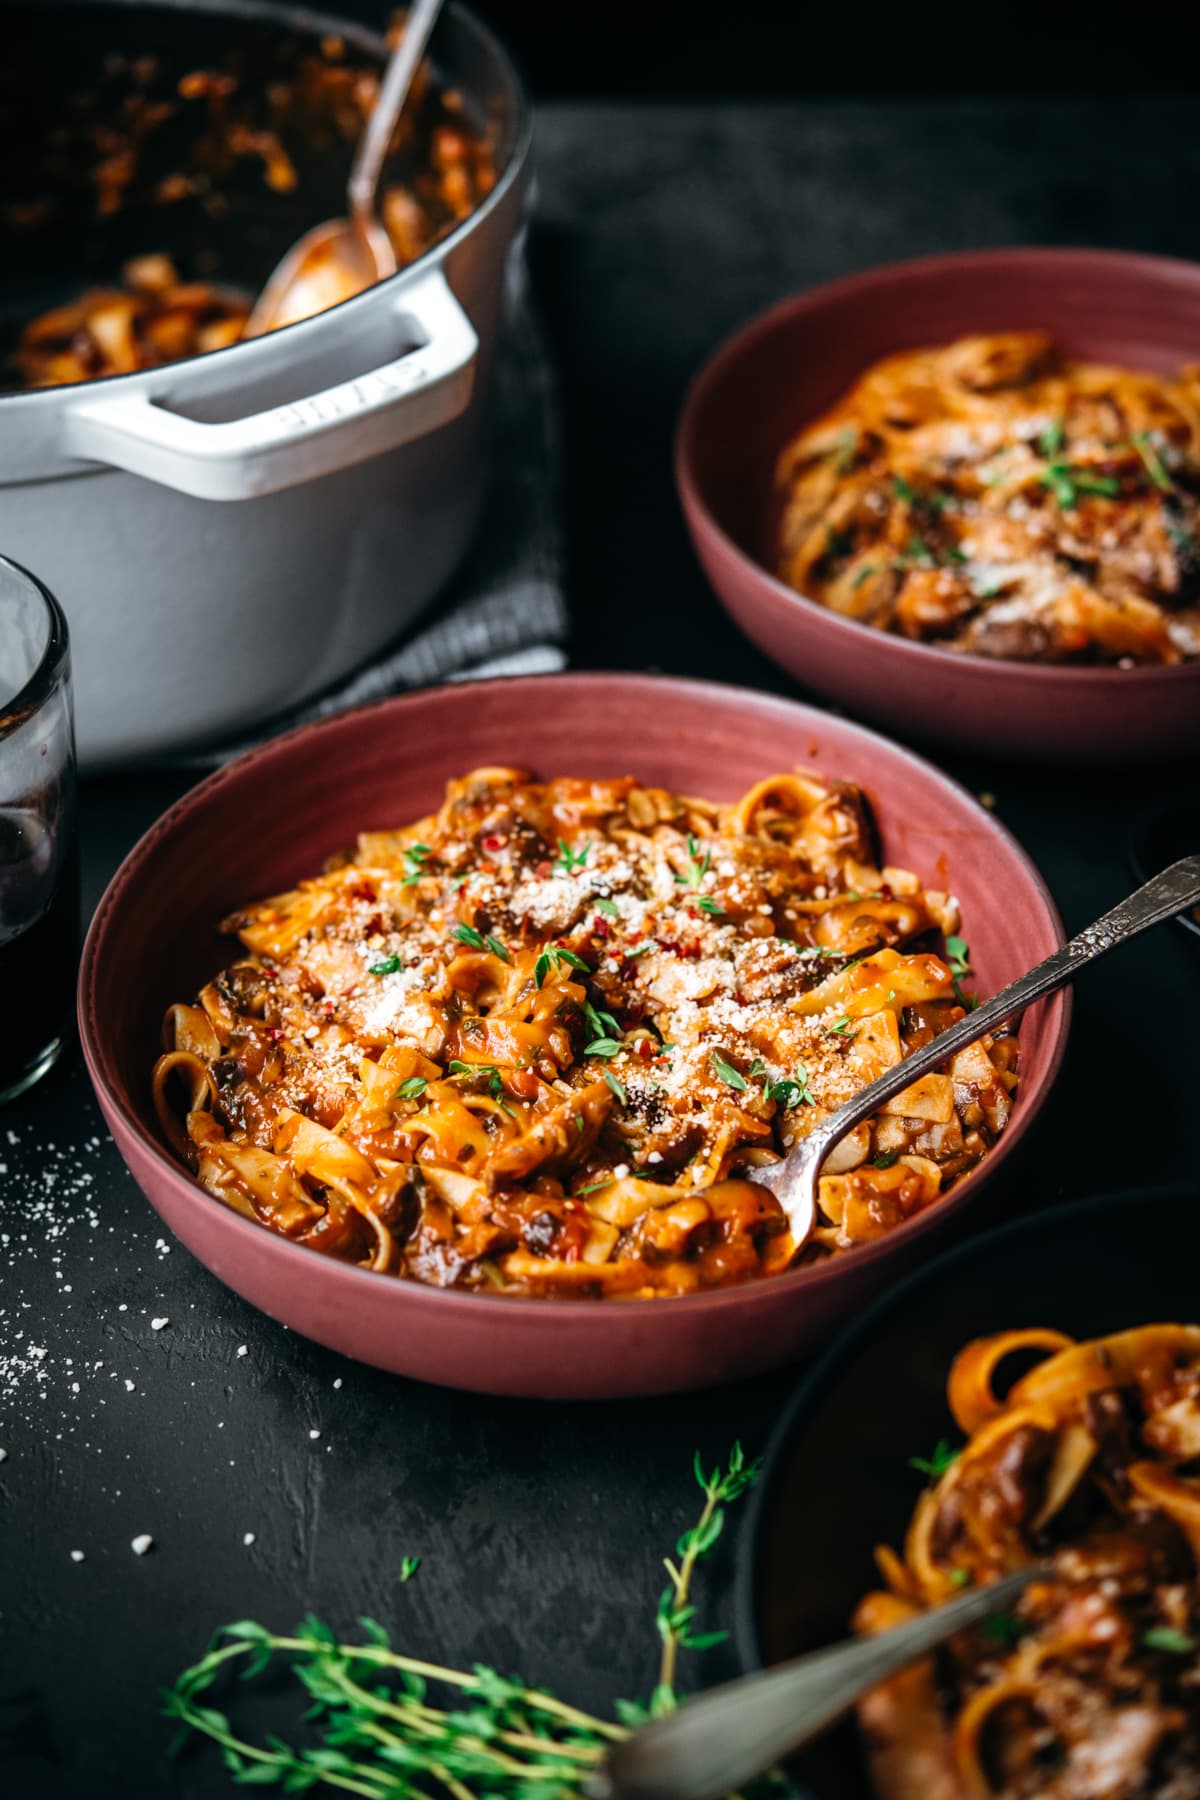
x=540, y=1527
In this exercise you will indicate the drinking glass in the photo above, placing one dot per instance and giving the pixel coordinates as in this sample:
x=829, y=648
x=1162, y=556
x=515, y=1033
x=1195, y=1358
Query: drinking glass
x=39, y=846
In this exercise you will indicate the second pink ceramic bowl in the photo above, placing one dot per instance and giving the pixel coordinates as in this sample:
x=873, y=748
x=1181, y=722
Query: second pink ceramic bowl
x=275, y=814
x=786, y=367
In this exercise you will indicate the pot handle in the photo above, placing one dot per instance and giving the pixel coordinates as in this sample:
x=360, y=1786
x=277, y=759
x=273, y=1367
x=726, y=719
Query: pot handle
x=317, y=435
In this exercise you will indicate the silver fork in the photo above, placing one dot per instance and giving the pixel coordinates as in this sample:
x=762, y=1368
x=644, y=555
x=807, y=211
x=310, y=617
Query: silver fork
x=716, y=1742
x=793, y=1180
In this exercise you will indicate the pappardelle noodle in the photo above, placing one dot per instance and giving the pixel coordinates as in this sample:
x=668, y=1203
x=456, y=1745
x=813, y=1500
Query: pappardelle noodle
x=508, y=1046
x=1090, y=1688
x=998, y=497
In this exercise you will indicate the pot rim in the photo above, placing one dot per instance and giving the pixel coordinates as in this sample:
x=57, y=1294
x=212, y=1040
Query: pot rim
x=300, y=21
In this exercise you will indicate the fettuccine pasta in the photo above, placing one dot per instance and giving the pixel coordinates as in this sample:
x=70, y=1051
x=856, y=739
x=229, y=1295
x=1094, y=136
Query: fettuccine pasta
x=997, y=497
x=531, y=1043
x=1090, y=1688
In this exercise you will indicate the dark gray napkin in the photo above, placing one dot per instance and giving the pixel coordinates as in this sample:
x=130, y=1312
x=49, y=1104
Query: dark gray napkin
x=504, y=612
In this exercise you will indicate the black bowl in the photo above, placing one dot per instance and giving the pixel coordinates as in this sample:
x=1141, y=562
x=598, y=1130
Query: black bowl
x=1160, y=837
x=837, y=1480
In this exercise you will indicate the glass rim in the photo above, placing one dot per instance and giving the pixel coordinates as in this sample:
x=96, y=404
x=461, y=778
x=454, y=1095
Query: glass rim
x=37, y=690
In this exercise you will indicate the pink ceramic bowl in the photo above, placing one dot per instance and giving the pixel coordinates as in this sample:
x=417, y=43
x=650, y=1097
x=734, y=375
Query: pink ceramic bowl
x=787, y=366
x=273, y=815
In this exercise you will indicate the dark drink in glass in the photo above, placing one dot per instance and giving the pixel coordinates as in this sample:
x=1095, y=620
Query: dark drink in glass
x=39, y=849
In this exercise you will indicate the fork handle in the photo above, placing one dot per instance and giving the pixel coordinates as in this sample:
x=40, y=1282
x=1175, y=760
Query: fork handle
x=1160, y=898
x=715, y=1743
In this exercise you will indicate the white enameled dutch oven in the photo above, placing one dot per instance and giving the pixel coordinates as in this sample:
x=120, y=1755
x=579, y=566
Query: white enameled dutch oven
x=231, y=533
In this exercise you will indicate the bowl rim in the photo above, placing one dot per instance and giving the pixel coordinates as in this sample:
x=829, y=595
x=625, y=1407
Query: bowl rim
x=306, y=23
x=845, y=1345
x=348, y=1276
x=881, y=278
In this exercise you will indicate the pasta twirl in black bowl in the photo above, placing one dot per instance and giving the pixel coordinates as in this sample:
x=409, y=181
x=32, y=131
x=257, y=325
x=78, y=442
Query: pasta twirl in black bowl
x=865, y=1457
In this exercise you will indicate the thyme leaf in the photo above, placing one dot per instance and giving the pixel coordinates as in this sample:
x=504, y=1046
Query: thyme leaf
x=935, y=1466
x=569, y=860
x=727, y=1073
x=555, y=956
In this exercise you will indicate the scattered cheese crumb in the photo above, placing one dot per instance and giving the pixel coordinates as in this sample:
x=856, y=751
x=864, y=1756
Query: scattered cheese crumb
x=247, y=1538
x=129, y=1386
x=4, y=1453
x=142, y=1543
x=157, y=1324
x=77, y=1556
x=338, y=1382
x=314, y=1433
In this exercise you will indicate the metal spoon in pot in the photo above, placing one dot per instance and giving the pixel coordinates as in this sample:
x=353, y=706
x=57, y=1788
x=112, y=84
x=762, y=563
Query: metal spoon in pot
x=337, y=260
x=715, y=1743
x=793, y=1180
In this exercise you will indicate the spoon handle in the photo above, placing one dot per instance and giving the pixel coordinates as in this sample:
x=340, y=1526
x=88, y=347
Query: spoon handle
x=715, y=1743
x=1161, y=898
x=389, y=104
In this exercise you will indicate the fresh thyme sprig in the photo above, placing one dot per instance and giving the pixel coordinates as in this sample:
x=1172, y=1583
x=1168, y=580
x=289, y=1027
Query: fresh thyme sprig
x=790, y=1093
x=487, y=1074
x=676, y=1612
x=478, y=940
x=557, y=956
x=384, y=1736
x=1066, y=482
x=415, y=857
x=935, y=1466
x=699, y=859
x=569, y=860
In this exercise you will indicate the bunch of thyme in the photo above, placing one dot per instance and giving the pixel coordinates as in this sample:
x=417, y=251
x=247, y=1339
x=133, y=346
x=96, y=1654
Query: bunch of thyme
x=384, y=1735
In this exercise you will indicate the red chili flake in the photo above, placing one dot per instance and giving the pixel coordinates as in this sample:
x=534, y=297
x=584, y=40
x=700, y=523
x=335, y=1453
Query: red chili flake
x=645, y=1049
x=274, y=1032
x=269, y=974
x=601, y=927
x=886, y=892
x=680, y=949
x=740, y=999
x=541, y=870
x=495, y=840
